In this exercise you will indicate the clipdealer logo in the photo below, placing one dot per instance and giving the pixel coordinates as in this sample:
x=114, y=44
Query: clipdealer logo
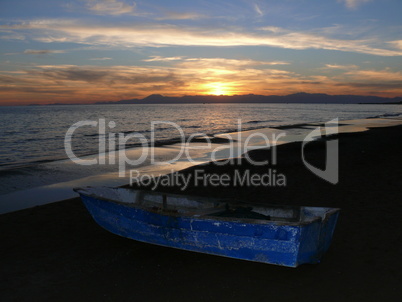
x=199, y=178
x=331, y=171
x=112, y=150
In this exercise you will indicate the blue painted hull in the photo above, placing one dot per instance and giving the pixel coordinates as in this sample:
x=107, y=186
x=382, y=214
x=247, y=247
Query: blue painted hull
x=287, y=244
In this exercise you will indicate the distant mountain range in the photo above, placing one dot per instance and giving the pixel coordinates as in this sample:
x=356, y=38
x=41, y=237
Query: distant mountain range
x=302, y=97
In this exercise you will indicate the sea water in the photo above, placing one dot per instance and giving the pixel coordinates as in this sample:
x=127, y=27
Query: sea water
x=31, y=135
x=35, y=169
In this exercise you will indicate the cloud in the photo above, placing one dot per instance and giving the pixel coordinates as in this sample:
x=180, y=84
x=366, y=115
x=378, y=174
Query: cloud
x=353, y=4
x=374, y=82
x=198, y=69
x=215, y=62
x=72, y=83
x=224, y=63
x=273, y=29
x=375, y=75
x=94, y=83
x=101, y=59
x=40, y=90
x=42, y=51
x=181, y=16
x=397, y=44
x=70, y=74
x=7, y=80
x=110, y=7
x=8, y=35
x=110, y=76
x=372, y=86
x=336, y=66
x=258, y=10
x=163, y=59
x=162, y=35
x=188, y=76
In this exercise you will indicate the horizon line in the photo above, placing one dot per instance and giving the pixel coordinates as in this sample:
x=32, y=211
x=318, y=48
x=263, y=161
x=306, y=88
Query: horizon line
x=133, y=100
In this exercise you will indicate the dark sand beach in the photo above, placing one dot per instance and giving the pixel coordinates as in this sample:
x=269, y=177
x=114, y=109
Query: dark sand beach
x=57, y=252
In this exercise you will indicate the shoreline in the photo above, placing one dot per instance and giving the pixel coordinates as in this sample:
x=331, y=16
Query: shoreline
x=57, y=252
x=58, y=190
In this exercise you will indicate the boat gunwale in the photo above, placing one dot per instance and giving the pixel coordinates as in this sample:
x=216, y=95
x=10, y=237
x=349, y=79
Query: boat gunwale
x=208, y=216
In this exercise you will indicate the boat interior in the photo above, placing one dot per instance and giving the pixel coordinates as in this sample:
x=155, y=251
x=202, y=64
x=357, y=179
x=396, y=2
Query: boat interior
x=182, y=205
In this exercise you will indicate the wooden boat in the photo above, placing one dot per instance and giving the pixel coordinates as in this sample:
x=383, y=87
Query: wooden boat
x=282, y=235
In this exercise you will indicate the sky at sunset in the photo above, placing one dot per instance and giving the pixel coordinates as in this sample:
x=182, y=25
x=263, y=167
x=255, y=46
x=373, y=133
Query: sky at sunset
x=86, y=51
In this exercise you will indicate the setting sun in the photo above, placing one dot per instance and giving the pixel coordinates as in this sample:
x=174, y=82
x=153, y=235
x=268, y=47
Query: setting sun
x=218, y=88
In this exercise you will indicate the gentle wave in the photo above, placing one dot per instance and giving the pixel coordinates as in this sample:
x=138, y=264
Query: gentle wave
x=256, y=122
x=387, y=115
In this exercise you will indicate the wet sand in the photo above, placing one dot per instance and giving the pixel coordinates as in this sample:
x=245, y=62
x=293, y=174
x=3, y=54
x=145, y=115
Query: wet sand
x=57, y=252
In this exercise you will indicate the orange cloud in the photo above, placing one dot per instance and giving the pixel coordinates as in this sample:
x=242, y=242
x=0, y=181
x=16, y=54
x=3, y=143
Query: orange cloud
x=186, y=76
